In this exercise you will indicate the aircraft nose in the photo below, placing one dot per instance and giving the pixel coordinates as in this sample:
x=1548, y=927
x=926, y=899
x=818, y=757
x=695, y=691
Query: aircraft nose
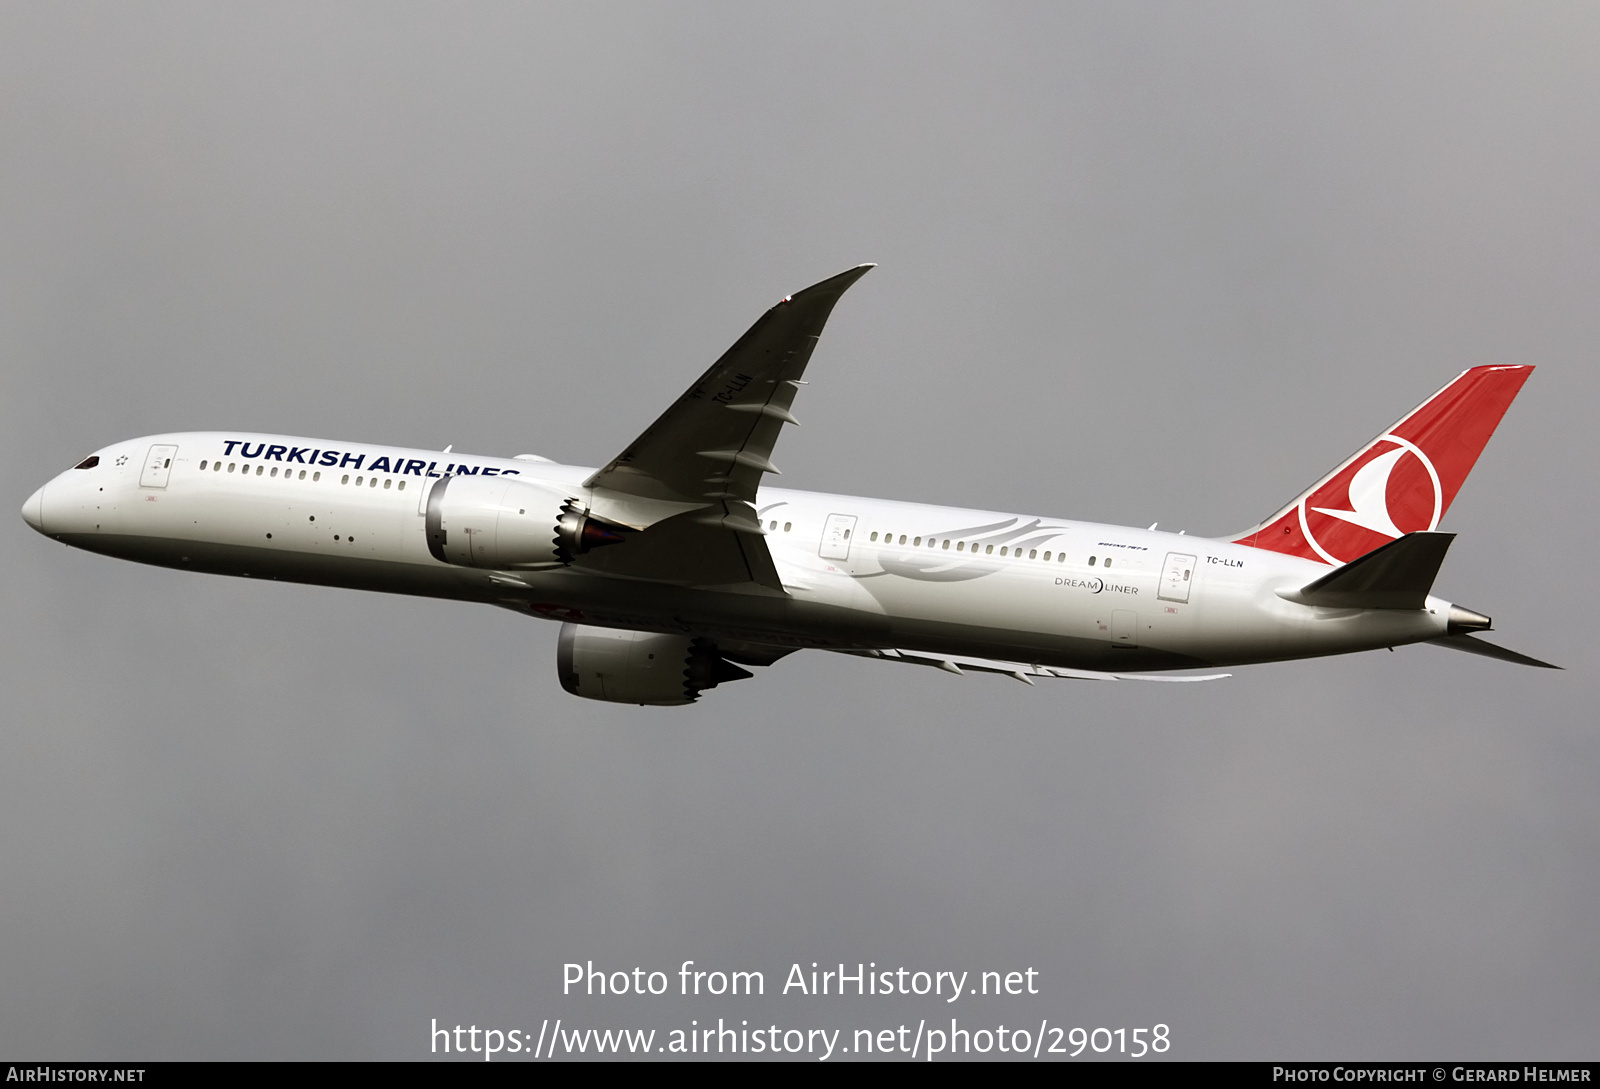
x=33, y=510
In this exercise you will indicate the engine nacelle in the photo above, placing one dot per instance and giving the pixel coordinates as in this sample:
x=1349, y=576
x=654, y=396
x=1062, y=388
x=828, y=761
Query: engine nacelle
x=494, y=522
x=639, y=667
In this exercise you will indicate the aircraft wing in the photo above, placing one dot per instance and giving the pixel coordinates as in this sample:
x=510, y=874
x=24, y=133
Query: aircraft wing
x=687, y=485
x=716, y=440
x=1022, y=671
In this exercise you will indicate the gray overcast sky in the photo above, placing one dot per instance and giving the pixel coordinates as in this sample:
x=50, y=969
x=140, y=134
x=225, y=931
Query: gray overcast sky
x=1138, y=262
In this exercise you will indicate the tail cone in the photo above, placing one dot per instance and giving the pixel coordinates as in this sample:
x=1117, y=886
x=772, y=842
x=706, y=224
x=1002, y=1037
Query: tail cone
x=1463, y=621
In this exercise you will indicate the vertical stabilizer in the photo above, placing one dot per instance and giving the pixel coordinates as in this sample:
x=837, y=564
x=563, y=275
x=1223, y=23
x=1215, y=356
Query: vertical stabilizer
x=1401, y=482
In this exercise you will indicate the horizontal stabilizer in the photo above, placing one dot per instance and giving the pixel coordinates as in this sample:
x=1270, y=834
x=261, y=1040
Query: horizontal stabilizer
x=1022, y=671
x=1396, y=576
x=1477, y=646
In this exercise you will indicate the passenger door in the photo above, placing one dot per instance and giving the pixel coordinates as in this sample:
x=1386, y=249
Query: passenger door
x=157, y=466
x=836, y=533
x=1176, y=577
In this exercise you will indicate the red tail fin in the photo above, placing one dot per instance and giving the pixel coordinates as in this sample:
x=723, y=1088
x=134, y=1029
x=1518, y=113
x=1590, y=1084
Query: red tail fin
x=1400, y=482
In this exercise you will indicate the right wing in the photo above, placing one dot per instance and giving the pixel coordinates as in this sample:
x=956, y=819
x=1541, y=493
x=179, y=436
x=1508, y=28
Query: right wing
x=687, y=486
x=716, y=440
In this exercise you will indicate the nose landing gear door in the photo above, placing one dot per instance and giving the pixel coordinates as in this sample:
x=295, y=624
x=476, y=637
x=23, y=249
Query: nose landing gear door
x=157, y=466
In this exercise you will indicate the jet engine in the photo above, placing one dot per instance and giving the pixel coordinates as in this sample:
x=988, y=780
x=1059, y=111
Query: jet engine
x=639, y=667
x=500, y=522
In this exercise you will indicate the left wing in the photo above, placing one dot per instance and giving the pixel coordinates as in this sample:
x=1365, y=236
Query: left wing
x=1022, y=671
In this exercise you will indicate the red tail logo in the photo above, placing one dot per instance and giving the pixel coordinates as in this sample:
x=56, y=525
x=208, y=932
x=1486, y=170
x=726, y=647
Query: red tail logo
x=1402, y=481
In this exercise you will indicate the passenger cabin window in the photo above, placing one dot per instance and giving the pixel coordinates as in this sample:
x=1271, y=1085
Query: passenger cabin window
x=274, y=470
x=1107, y=563
x=787, y=526
x=346, y=479
x=988, y=550
x=230, y=466
x=316, y=477
x=402, y=488
x=202, y=465
x=260, y=469
x=1091, y=561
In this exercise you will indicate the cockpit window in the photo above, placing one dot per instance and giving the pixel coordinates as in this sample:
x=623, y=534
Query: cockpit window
x=89, y=462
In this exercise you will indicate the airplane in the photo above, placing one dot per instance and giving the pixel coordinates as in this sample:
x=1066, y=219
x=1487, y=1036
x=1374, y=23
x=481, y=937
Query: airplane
x=676, y=565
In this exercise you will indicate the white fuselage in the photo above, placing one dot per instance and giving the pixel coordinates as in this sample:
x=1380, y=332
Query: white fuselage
x=858, y=573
